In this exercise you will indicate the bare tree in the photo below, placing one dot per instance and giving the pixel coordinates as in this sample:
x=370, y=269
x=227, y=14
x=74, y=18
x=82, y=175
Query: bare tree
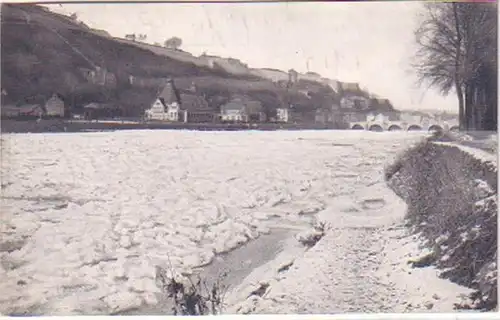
x=455, y=41
x=440, y=51
x=173, y=43
x=131, y=37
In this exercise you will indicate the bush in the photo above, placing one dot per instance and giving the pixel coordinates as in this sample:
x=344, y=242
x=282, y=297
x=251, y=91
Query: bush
x=191, y=298
x=311, y=237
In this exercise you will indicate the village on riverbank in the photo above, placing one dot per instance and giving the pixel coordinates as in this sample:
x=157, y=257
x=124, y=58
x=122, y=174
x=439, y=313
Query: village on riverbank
x=170, y=109
x=170, y=88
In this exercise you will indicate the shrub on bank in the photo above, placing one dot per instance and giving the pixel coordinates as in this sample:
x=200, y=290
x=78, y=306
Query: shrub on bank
x=452, y=202
x=191, y=297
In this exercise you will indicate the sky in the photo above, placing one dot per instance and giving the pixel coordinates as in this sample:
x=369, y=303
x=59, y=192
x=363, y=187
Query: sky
x=369, y=43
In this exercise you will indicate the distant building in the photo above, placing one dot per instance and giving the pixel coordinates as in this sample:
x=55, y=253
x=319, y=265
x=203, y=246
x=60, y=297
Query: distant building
x=377, y=117
x=353, y=117
x=233, y=111
x=166, y=106
x=23, y=111
x=94, y=111
x=323, y=116
x=31, y=110
x=54, y=107
x=99, y=76
x=352, y=87
x=354, y=102
x=282, y=115
x=352, y=97
x=255, y=111
x=242, y=109
x=9, y=111
x=230, y=65
x=195, y=108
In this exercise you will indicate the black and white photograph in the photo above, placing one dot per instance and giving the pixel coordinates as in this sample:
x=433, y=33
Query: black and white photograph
x=192, y=158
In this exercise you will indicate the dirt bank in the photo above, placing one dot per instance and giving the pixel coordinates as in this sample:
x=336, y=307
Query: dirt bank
x=451, y=193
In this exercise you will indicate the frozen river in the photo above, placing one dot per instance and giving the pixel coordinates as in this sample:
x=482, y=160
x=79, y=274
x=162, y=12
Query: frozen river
x=86, y=217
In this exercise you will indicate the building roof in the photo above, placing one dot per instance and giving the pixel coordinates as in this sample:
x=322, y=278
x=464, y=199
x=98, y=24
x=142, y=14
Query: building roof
x=245, y=103
x=95, y=105
x=253, y=107
x=55, y=96
x=23, y=109
x=350, y=86
x=233, y=105
x=191, y=102
x=9, y=110
x=169, y=93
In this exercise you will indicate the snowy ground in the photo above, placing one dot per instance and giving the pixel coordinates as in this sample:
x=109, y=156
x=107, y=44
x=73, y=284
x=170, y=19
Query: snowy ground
x=86, y=217
x=360, y=265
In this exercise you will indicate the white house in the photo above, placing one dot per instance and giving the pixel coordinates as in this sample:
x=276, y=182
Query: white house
x=234, y=111
x=166, y=106
x=282, y=115
x=162, y=112
x=54, y=106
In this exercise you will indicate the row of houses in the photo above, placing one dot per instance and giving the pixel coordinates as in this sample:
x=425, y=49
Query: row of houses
x=173, y=106
x=170, y=105
x=53, y=107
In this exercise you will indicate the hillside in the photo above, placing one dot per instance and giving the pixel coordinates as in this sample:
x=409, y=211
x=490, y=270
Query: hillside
x=43, y=52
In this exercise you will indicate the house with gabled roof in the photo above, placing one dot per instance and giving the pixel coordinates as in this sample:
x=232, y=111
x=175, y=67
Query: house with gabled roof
x=195, y=108
x=166, y=106
x=54, y=107
x=22, y=111
x=242, y=109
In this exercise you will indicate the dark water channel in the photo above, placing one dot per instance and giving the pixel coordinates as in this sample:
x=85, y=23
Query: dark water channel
x=237, y=264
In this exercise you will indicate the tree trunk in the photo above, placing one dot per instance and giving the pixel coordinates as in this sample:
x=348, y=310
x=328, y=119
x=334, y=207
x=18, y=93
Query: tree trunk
x=461, y=106
x=490, y=118
x=470, y=102
x=458, y=79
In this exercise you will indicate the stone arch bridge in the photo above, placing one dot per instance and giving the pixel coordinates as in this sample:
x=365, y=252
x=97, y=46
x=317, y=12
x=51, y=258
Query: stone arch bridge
x=404, y=126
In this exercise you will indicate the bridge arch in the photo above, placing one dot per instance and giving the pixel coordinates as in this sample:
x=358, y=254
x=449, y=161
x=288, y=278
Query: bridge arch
x=357, y=126
x=435, y=128
x=376, y=127
x=414, y=127
x=395, y=127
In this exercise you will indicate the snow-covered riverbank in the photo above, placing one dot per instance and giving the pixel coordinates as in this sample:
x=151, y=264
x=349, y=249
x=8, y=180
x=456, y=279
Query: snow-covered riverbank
x=360, y=265
x=86, y=217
